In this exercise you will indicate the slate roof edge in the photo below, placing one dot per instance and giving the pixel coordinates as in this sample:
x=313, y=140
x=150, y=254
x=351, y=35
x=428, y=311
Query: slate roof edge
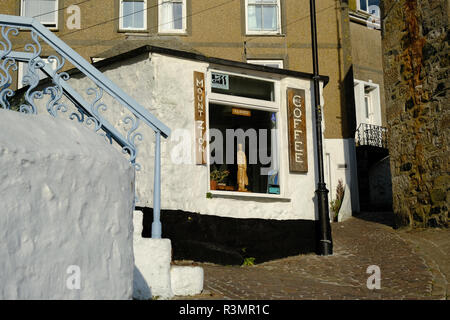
x=203, y=58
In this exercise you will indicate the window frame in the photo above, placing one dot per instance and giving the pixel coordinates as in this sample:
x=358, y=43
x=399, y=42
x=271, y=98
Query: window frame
x=183, y=30
x=266, y=62
x=252, y=104
x=50, y=25
x=264, y=32
x=144, y=12
x=374, y=102
x=358, y=6
x=42, y=75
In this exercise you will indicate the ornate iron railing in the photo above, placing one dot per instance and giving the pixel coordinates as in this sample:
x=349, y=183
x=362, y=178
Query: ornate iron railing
x=58, y=97
x=371, y=135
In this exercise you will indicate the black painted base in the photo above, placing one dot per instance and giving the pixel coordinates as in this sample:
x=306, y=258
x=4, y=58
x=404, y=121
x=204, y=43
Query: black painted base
x=228, y=241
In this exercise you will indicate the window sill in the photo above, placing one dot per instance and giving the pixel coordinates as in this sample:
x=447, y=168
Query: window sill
x=173, y=33
x=265, y=34
x=131, y=31
x=363, y=18
x=248, y=195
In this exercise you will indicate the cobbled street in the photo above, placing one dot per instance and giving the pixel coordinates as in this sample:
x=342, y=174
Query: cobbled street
x=414, y=264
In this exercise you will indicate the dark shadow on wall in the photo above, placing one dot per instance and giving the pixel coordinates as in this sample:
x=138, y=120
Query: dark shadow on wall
x=140, y=286
x=382, y=217
x=229, y=241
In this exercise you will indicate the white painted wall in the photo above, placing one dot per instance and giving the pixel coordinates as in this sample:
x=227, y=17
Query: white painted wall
x=66, y=199
x=339, y=153
x=164, y=85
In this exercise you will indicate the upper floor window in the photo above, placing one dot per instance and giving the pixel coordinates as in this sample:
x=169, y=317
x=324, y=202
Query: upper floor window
x=367, y=103
x=172, y=16
x=263, y=16
x=268, y=63
x=45, y=11
x=370, y=6
x=133, y=15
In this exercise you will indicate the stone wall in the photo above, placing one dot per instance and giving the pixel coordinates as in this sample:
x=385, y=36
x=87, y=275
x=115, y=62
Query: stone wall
x=416, y=66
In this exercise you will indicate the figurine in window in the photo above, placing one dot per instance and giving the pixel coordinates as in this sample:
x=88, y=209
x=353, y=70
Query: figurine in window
x=242, y=178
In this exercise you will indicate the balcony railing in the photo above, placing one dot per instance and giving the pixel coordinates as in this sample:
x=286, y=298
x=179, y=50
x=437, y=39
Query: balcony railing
x=20, y=42
x=371, y=135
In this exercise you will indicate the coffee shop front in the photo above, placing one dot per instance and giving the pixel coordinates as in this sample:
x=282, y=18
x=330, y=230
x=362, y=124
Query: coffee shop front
x=239, y=171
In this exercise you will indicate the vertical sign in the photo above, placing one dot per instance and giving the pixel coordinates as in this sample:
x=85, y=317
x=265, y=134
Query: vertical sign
x=200, y=117
x=298, y=159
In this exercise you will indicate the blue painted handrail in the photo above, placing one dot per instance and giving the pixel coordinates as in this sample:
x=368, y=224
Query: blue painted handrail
x=87, y=112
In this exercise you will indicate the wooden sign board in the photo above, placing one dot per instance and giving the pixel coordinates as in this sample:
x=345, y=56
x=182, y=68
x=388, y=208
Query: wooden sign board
x=241, y=112
x=200, y=117
x=298, y=157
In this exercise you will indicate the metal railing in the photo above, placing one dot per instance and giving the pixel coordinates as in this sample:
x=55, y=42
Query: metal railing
x=61, y=98
x=371, y=135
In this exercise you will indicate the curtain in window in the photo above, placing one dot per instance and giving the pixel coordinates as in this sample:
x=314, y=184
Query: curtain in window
x=133, y=14
x=171, y=15
x=42, y=10
x=262, y=15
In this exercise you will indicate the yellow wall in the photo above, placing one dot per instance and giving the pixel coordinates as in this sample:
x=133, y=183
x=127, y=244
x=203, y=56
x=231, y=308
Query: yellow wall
x=217, y=28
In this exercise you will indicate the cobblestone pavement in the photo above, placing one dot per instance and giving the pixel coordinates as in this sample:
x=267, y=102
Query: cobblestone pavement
x=413, y=264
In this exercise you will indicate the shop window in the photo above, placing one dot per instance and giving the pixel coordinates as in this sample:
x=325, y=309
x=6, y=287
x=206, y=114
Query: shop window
x=243, y=115
x=268, y=63
x=45, y=11
x=133, y=15
x=172, y=16
x=263, y=16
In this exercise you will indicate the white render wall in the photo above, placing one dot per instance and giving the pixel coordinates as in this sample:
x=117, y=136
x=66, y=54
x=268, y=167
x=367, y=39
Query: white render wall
x=339, y=152
x=66, y=200
x=164, y=85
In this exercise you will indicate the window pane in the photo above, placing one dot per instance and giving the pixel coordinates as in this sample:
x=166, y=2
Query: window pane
x=251, y=129
x=166, y=18
x=127, y=14
x=139, y=15
x=270, y=18
x=363, y=5
x=48, y=10
x=366, y=104
x=133, y=14
x=178, y=15
x=42, y=10
x=31, y=8
x=374, y=7
x=248, y=88
x=254, y=17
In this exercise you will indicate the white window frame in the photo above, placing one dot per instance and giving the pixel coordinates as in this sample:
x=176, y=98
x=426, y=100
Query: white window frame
x=266, y=62
x=247, y=103
x=51, y=25
x=358, y=6
x=183, y=15
x=264, y=32
x=374, y=103
x=144, y=12
x=42, y=75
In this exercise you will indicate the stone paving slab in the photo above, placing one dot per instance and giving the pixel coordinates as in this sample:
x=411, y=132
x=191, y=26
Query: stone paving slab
x=406, y=272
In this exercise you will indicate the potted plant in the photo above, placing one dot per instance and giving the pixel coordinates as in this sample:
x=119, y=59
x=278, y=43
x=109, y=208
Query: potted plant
x=217, y=176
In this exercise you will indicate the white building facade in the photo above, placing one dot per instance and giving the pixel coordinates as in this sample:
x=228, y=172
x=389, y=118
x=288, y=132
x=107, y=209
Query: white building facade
x=213, y=105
